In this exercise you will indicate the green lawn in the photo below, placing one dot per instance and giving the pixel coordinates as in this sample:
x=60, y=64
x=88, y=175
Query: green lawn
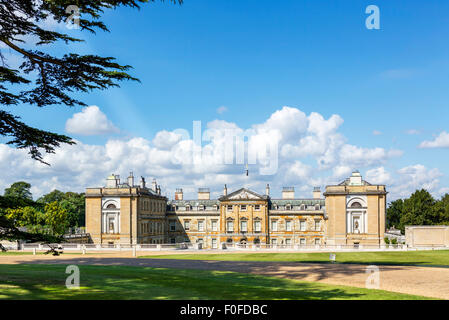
x=15, y=253
x=431, y=258
x=118, y=282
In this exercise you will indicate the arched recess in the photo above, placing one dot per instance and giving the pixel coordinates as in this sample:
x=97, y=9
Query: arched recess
x=354, y=200
x=110, y=216
x=356, y=215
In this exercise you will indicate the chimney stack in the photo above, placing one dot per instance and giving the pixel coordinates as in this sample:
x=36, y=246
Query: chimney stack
x=267, y=190
x=142, y=182
x=225, y=191
x=154, y=185
x=203, y=194
x=288, y=193
x=317, y=193
x=111, y=181
x=179, y=195
x=131, y=179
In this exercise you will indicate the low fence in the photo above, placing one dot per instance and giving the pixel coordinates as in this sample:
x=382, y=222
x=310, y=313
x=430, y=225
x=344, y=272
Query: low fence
x=70, y=247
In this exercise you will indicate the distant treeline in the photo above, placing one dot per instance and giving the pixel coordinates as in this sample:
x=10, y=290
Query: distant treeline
x=54, y=213
x=420, y=209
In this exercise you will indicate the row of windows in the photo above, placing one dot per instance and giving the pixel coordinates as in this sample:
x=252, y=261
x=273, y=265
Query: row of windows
x=288, y=242
x=153, y=206
x=257, y=207
x=201, y=225
x=243, y=207
x=302, y=207
x=302, y=241
x=198, y=208
x=151, y=227
x=289, y=225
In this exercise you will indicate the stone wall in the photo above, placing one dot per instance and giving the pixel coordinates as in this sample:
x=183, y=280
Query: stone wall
x=427, y=236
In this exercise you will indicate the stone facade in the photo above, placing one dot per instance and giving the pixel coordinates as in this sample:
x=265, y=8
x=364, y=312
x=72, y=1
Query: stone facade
x=356, y=212
x=351, y=213
x=427, y=236
x=125, y=213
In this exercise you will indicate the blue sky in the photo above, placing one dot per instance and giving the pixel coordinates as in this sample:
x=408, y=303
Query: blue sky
x=254, y=57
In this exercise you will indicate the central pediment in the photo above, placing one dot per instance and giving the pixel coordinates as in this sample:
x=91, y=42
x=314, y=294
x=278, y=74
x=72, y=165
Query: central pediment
x=243, y=194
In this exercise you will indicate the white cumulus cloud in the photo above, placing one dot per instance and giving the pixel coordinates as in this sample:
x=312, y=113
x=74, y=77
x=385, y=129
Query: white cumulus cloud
x=312, y=152
x=442, y=141
x=90, y=121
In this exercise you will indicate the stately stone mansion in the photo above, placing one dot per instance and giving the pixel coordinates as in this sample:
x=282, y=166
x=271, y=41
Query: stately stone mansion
x=350, y=213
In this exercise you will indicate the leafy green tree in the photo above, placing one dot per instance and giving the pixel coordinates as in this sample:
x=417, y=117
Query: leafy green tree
x=445, y=209
x=14, y=202
x=44, y=78
x=54, y=195
x=394, y=213
x=26, y=216
x=19, y=190
x=56, y=218
x=419, y=209
x=73, y=202
x=11, y=232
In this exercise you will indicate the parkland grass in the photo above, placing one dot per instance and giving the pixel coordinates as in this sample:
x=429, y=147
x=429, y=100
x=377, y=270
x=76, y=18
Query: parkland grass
x=123, y=282
x=416, y=258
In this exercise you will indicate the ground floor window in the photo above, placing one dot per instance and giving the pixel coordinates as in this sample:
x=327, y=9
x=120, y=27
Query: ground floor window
x=274, y=242
x=173, y=240
x=302, y=241
x=214, y=244
x=288, y=242
x=317, y=241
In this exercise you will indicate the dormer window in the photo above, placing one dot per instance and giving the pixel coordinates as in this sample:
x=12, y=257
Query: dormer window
x=188, y=207
x=317, y=207
x=201, y=208
x=303, y=207
x=288, y=207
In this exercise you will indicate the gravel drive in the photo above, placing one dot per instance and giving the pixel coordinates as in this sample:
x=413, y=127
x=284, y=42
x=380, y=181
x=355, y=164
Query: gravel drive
x=423, y=281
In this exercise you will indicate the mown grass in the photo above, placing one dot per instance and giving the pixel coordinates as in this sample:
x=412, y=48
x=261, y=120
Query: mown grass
x=123, y=282
x=424, y=258
x=15, y=253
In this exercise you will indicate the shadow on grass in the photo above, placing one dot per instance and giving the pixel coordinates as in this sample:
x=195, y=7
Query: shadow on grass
x=320, y=270
x=118, y=282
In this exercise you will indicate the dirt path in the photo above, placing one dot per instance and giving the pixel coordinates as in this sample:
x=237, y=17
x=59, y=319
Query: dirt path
x=424, y=281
